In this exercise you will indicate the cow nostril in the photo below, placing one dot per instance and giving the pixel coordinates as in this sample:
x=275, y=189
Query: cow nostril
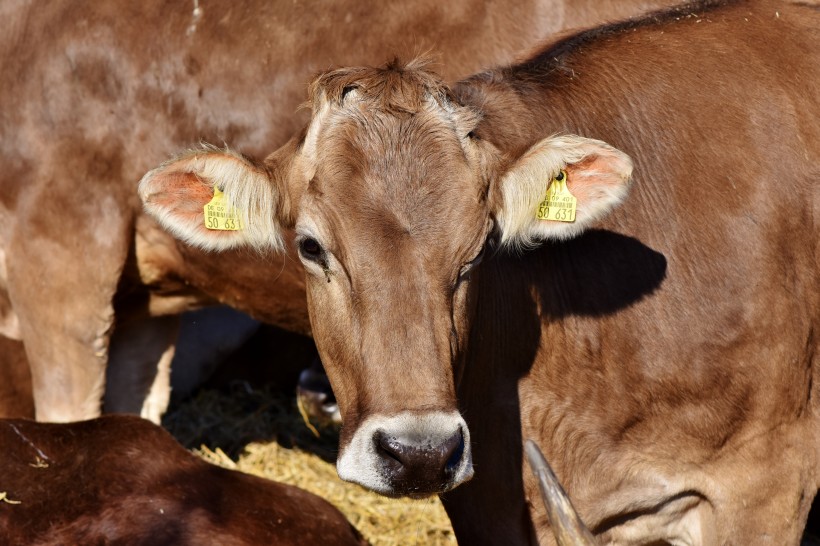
x=445, y=457
x=388, y=447
x=453, y=451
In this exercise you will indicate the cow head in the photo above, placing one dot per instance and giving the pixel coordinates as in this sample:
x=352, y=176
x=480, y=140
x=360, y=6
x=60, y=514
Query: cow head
x=393, y=202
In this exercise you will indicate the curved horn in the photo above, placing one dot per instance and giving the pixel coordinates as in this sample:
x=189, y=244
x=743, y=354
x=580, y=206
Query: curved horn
x=566, y=524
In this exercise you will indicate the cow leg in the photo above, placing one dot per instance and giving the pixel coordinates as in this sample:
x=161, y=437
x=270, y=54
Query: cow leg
x=776, y=502
x=9, y=323
x=15, y=381
x=159, y=394
x=138, y=377
x=67, y=353
x=65, y=328
x=66, y=250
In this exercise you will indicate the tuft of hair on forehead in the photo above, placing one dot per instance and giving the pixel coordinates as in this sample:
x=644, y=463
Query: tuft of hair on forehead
x=396, y=88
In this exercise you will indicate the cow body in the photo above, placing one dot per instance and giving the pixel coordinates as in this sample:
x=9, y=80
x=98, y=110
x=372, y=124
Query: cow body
x=663, y=355
x=667, y=359
x=123, y=480
x=93, y=95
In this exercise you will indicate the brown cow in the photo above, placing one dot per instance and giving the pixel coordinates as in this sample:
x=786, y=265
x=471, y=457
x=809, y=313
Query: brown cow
x=94, y=94
x=15, y=381
x=663, y=355
x=122, y=480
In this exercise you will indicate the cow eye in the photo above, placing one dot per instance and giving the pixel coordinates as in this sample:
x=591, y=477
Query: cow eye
x=490, y=244
x=310, y=249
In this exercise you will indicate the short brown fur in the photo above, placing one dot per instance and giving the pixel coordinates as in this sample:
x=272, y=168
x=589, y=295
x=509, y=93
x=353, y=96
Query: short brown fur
x=666, y=360
x=122, y=480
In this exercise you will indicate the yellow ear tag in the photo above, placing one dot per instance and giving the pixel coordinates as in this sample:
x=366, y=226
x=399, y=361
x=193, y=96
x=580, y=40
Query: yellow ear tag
x=217, y=215
x=559, y=204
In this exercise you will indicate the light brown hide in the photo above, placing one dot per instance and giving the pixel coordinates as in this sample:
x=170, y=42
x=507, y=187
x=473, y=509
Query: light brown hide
x=94, y=94
x=666, y=359
x=666, y=362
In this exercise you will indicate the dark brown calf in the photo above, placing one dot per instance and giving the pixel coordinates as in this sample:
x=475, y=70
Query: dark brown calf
x=123, y=480
x=93, y=94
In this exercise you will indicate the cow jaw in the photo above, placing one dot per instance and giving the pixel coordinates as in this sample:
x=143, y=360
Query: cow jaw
x=408, y=454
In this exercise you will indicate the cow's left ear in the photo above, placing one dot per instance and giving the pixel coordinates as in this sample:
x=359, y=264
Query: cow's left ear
x=216, y=199
x=559, y=187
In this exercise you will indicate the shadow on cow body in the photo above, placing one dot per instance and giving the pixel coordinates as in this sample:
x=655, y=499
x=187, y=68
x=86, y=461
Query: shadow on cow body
x=596, y=274
x=123, y=480
x=609, y=272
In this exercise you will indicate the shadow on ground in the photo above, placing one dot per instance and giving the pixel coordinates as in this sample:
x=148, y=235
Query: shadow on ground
x=241, y=413
x=251, y=397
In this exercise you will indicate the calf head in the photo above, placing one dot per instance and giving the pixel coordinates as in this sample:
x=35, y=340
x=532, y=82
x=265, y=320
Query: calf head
x=393, y=201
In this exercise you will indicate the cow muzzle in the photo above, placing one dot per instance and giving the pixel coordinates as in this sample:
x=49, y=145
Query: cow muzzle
x=409, y=454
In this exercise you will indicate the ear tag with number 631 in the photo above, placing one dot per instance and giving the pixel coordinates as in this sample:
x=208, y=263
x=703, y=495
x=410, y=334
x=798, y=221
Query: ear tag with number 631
x=559, y=204
x=217, y=215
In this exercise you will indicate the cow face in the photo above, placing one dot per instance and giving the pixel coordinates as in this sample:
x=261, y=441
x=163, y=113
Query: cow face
x=392, y=201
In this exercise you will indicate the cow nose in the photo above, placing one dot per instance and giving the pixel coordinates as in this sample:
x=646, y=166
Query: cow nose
x=419, y=468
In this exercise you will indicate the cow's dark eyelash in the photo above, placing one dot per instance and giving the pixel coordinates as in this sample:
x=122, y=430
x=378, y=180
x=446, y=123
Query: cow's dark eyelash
x=467, y=267
x=478, y=257
x=490, y=245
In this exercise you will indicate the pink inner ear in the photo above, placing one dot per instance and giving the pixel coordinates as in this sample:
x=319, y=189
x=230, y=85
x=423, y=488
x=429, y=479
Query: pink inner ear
x=597, y=176
x=182, y=192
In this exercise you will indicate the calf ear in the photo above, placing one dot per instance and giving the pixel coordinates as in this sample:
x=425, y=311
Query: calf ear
x=243, y=202
x=595, y=174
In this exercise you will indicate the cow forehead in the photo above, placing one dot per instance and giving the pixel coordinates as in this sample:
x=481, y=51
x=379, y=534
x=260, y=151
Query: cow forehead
x=388, y=178
x=401, y=161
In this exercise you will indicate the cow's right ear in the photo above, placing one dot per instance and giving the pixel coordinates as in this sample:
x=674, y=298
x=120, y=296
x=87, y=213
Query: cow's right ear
x=559, y=187
x=215, y=199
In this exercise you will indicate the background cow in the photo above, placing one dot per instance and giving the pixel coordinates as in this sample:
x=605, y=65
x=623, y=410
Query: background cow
x=664, y=354
x=15, y=381
x=93, y=94
x=123, y=480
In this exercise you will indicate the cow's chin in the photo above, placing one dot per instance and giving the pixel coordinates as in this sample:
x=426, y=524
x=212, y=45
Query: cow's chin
x=408, y=455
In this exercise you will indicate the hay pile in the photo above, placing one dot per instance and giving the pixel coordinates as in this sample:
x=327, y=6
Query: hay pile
x=261, y=432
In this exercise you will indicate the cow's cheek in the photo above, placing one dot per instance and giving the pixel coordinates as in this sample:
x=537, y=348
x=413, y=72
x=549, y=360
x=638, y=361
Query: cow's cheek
x=335, y=337
x=463, y=309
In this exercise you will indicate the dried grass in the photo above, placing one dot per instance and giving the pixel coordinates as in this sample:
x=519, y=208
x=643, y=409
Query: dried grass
x=261, y=432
